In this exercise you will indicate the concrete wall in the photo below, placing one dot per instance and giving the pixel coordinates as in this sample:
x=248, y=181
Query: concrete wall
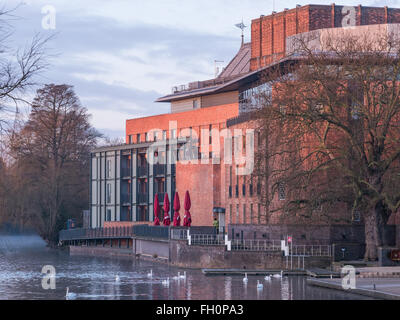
x=158, y=248
x=198, y=257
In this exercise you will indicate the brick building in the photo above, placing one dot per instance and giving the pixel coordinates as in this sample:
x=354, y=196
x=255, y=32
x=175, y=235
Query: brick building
x=203, y=119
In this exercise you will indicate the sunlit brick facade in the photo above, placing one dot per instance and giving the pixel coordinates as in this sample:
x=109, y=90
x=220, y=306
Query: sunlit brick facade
x=124, y=184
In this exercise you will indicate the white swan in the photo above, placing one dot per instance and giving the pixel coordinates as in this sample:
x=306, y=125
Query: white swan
x=260, y=286
x=183, y=276
x=117, y=279
x=150, y=275
x=177, y=277
x=278, y=276
x=69, y=295
x=165, y=282
x=267, y=278
x=245, y=279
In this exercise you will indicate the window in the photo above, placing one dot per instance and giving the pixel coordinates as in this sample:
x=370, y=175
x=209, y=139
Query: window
x=108, y=217
x=164, y=135
x=195, y=104
x=244, y=189
x=138, y=138
x=210, y=130
x=130, y=139
x=108, y=192
x=108, y=168
x=282, y=191
x=357, y=216
x=173, y=134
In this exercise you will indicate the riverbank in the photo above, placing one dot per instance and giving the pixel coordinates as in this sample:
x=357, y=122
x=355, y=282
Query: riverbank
x=377, y=288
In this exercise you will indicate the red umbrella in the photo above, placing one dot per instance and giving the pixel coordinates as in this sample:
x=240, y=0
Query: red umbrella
x=156, y=210
x=187, y=220
x=177, y=207
x=167, y=219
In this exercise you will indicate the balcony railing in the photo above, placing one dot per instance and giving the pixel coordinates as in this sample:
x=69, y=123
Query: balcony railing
x=126, y=172
x=159, y=170
x=142, y=171
x=142, y=198
x=207, y=239
x=125, y=198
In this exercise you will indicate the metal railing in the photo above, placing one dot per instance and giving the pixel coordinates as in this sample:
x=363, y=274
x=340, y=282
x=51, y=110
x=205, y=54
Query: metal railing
x=142, y=198
x=207, y=239
x=126, y=172
x=256, y=245
x=151, y=232
x=142, y=171
x=159, y=170
x=179, y=234
x=114, y=233
x=98, y=233
x=311, y=250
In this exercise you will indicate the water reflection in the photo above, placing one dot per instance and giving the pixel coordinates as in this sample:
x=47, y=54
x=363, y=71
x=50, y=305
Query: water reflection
x=22, y=259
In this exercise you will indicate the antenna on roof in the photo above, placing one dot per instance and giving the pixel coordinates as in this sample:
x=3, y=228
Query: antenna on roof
x=241, y=26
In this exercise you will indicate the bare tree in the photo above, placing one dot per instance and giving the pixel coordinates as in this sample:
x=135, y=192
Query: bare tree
x=332, y=136
x=52, y=152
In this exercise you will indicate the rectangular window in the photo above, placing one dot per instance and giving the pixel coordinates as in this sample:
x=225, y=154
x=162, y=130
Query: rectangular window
x=108, y=168
x=108, y=218
x=164, y=135
x=108, y=193
x=138, y=138
x=130, y=139
x=282, y=191
x=173, y=134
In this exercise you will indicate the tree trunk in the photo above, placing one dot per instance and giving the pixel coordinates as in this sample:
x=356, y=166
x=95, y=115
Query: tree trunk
x=373, y=234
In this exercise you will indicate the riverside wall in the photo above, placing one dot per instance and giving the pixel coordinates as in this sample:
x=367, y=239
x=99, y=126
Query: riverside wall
x=180, y=254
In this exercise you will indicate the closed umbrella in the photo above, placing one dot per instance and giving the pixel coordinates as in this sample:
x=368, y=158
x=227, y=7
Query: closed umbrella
x=177, y=207
x=156, y=210
x=187, y=220
x=167, y=219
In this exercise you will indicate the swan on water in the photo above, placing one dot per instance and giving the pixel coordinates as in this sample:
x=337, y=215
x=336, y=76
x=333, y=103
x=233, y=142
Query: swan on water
x=245, y=279
x=150, y=275
x=260, y=286
x=177, y=277
x=165, y=282
x=183, y=276
x=278, y=276
x=117, y=279
x=267, y=278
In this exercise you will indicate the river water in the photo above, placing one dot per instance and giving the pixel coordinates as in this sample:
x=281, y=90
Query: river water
x=90, y=278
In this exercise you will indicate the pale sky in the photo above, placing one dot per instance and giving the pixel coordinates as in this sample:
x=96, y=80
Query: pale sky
x=121, y=55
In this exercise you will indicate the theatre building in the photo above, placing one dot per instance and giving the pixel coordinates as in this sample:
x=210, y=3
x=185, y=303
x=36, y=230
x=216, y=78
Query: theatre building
x=161, y=151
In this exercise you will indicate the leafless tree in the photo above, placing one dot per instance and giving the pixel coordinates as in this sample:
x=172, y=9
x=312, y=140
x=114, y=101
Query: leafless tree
x=331, y=134
x=52, y=152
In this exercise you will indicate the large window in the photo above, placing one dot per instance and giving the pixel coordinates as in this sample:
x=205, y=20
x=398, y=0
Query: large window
x=282, y=191
x=253, y=98
x=108, y=193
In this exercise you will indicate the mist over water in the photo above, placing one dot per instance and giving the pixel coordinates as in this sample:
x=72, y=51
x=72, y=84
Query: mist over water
x=23, y=257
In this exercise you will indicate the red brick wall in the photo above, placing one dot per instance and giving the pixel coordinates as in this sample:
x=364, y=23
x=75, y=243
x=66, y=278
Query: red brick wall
x=196, y=119
x=199, y=180
x=269, y=33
